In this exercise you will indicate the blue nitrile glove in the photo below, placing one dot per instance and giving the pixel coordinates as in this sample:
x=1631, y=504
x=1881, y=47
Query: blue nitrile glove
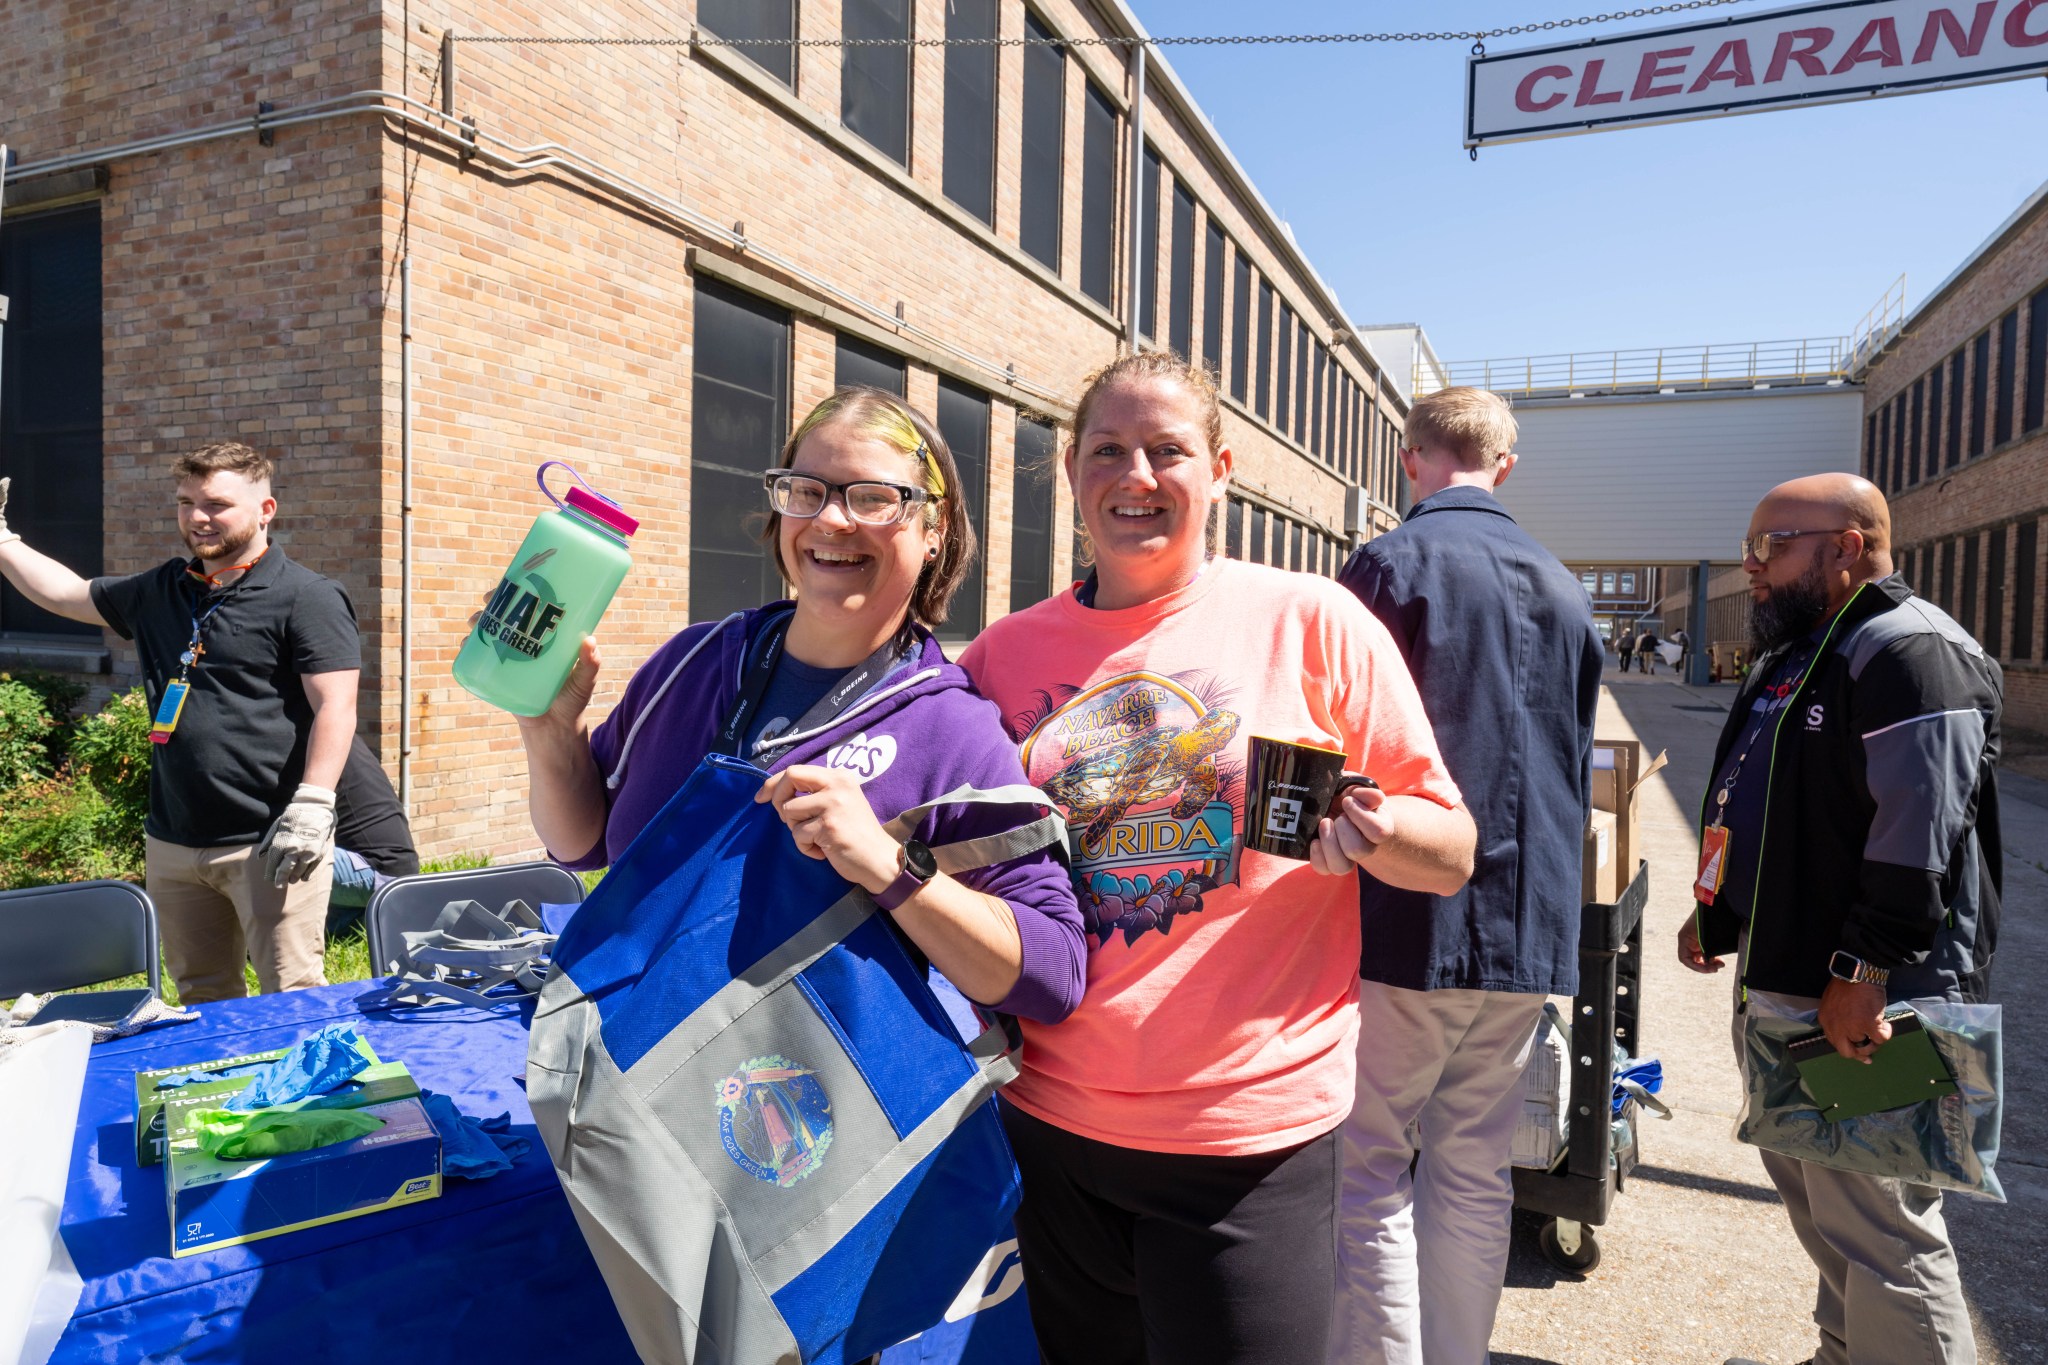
x=225, y=1073
x=1646, y=1072
x=473, y=1149
x=315, y=1066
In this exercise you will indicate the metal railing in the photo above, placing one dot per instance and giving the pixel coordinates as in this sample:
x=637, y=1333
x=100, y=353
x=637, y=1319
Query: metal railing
x=1879, y=325
x=1661, y=369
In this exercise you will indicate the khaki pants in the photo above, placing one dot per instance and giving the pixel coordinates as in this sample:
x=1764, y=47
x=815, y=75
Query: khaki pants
x=215, y=909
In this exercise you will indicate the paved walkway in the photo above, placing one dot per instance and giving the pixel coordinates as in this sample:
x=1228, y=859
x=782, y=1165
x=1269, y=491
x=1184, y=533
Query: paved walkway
x=1699, y=1263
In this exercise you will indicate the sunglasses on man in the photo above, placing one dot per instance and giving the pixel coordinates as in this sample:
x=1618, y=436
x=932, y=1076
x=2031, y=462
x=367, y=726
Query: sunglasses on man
x=1764, y=544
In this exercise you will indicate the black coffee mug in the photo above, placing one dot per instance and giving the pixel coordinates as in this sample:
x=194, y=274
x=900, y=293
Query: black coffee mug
x=1289, y=790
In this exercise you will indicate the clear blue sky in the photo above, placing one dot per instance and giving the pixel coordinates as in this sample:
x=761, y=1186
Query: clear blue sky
x=1758, y=227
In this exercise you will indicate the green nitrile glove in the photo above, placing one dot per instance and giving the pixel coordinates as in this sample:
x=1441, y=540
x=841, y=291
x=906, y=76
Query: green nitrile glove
x=273, y=1132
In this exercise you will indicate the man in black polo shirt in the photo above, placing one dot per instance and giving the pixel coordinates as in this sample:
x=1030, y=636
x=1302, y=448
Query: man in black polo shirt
x=250, y=665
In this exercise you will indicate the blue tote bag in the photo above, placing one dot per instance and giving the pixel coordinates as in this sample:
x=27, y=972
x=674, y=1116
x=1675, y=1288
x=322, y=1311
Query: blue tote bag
x=776, y=1143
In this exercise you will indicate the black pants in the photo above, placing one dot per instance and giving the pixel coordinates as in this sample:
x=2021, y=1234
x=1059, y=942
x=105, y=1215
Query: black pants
x=1133, y=1257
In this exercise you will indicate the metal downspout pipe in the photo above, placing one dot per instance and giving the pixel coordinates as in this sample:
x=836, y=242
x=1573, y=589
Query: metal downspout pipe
x=1135, y=273
x=405, y=744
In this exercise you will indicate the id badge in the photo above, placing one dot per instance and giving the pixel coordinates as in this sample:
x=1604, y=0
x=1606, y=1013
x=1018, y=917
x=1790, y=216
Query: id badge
x=168, y=711
x=1713, y=863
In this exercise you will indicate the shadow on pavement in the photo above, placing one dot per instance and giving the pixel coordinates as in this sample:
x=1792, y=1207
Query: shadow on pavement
x=1706, y=1184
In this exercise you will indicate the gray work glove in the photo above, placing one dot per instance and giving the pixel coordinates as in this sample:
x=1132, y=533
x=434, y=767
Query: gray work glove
x=5, y=534
x=301, y=839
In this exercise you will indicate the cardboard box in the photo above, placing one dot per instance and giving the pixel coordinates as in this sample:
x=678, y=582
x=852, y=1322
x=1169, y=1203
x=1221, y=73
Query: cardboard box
x=1598, y=869
x=150, y=1099
x=1619, y=771
x=215, y=1203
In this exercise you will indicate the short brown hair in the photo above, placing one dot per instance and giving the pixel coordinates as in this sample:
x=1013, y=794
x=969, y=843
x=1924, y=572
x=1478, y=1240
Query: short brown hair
x=1136, y=367
x=1473, y=426
x=232, y=456
x=882, y=416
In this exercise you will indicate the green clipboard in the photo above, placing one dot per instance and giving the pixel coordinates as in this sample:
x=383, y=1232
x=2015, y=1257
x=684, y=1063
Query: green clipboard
x=1906, y=1070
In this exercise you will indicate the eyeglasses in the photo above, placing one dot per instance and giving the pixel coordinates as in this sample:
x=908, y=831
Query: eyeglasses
x=1764, y=544
x=875, y=504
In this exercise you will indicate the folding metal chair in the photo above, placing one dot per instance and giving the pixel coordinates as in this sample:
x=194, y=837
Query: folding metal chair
x=57, y=938
x=411, y=904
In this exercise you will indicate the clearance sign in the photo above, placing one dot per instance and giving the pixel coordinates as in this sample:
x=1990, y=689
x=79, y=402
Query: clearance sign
x=1815, y=54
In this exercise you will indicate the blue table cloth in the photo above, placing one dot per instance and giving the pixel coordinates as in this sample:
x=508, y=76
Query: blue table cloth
x=492, y=1270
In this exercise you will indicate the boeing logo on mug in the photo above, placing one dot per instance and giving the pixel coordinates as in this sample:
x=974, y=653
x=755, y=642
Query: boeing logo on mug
x=1289, y=789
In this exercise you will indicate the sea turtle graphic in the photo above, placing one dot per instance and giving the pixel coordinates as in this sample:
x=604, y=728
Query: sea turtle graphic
x=1099, y=788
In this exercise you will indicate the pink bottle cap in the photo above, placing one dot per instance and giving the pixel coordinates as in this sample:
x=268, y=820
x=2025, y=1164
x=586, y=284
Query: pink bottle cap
x=602, y=509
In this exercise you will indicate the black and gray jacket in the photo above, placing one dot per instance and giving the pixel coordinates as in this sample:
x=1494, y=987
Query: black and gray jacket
x=1881, y=819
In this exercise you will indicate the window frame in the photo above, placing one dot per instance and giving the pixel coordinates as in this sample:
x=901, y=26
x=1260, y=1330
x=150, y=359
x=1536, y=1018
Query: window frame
x=859, y=62
x=712, y=563
x=965, y=151
x=1180, y=285
x=1098, y=194
x=1031, y=487
x=1042, y=191
x=1214, y=301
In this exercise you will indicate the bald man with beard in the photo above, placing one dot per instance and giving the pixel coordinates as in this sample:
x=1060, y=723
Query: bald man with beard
x=1850, y=859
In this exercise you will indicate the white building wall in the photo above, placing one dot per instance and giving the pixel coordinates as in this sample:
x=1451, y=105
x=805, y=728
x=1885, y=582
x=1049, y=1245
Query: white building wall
x=1669, y=478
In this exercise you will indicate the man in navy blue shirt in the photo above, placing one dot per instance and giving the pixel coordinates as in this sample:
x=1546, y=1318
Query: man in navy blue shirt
x=1501, y=641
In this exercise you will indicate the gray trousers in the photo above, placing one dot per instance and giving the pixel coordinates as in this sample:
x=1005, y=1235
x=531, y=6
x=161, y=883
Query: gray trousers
x=1890, y=1292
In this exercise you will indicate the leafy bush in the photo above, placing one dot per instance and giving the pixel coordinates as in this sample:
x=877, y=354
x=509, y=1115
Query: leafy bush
x=61, y=696
x=25, y=727
x=456, y=862
x=61, y=829
x=111, y=751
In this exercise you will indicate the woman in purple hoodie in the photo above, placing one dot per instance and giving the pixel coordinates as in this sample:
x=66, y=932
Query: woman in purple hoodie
x=847, y=702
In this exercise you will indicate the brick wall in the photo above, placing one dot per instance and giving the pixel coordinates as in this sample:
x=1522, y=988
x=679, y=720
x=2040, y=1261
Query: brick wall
x=1982, y=498
x=252, y=291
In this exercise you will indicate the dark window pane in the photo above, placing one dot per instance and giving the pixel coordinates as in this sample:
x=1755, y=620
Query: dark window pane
x=1955, y=411
x=1148, y=249
x=1966, y=610
x=1899, y=442
x=1884, y=445
x=1258, y=553
x=1994, y=594
x=1933, y=421
x=51, y=442
x=1915, y=445
x=2008, y=378
x=1180, y=308
x=1098, y=196
x=1980, y=387
x=963, y=421
x=744, y=20
x=1212, y=299
x=1870, y=447
x=1265, y=350
x=1283, y=379
x=2037, y=362
x=874, y=82
x=1040, y=173
x=1948, y=576
x=1315, y=420
x=856, y=362
x=969, y=170
x=1233, y=529
x=1031, y=515
x=1241, y=328
x=1301, y=396
x=1294, y=552
x=739, y=416
x=2028, y=544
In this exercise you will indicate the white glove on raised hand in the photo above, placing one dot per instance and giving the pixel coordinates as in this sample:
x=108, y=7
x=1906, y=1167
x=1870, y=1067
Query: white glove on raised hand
x=5, y=534
x=301, y=838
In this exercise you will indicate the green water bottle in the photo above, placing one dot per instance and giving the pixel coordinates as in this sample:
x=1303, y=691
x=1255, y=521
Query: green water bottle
x=550, y=597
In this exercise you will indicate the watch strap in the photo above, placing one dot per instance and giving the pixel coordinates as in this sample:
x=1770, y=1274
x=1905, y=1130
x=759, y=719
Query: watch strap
x=908, y=881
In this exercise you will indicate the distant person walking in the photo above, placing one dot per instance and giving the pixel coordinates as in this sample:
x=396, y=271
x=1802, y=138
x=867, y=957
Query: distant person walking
x=1646, y=652
x=1624, y=645
x=1684, y=643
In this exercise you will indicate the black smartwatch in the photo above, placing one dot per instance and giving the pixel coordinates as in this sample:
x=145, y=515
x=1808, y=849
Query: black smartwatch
x=919, y=867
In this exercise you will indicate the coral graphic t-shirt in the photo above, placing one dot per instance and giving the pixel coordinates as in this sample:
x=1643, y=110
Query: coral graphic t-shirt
x=1222, y=1005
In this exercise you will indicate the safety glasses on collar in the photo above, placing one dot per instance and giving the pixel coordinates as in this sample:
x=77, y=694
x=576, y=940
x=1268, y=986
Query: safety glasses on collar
x=804, y=496
x=1764, y=544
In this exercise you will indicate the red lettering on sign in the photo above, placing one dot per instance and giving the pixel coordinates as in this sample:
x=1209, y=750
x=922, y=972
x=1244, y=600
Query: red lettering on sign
x=1879, y=42
x=1654, y=69
x=1525, y=93
x=1790, y=49
x=1943, y=24
x=2016, y=31
x=1589, y=86
x=1730, y=62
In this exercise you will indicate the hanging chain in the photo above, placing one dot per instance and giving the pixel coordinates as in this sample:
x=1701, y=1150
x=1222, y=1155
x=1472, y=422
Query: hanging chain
x=1477, y=37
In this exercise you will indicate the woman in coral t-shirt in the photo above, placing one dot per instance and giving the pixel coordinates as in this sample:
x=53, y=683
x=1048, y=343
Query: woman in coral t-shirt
x=1177, y=1132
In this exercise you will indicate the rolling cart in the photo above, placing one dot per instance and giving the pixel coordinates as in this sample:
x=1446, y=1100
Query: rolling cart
x=1576, y=1192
